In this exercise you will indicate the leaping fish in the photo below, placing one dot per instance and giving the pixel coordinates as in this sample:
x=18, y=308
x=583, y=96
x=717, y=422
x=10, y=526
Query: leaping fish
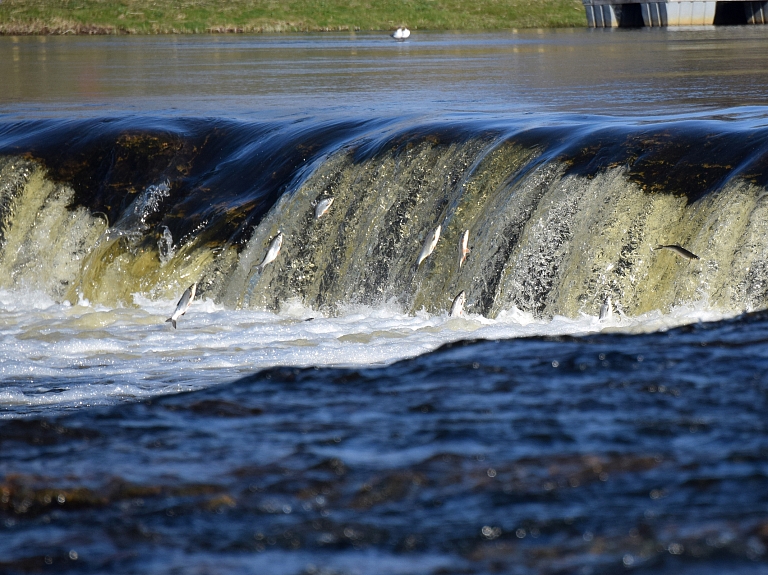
x=457, y=307
x=606, y=310
x=679, y=250
x=274, y=249
x=429, y=246
x=463, y=249
x=322, y=207
x=183, y=305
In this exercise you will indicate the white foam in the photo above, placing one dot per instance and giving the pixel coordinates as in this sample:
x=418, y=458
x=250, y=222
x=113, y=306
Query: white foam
x=24, y=300
x=58, y=354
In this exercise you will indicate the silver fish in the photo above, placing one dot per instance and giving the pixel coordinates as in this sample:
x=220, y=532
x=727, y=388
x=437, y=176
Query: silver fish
x=606, y=310
x=322, y=207
x=457, y=307
x=183, y=305
x=681, y=251
x=429, y=246
x=274, y=249
x=463, y=249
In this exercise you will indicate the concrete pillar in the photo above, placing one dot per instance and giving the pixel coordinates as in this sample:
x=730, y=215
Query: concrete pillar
x=599, y=17
x=757, y=12
x=703, y=13
x=654, y=14
x=695, y=13
x=646, y=12
x=669, y=13
x=663, y=13
x=590, y=15
x=609, y=16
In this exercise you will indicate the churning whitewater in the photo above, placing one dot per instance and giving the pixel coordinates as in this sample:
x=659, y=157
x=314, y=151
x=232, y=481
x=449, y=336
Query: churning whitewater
x=290, y=230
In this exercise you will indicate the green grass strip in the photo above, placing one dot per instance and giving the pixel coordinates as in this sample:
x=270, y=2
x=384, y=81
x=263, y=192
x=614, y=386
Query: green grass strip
x=248, y=16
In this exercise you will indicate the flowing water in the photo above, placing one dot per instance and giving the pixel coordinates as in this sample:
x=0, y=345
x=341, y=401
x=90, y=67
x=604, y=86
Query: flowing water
x=323, y=412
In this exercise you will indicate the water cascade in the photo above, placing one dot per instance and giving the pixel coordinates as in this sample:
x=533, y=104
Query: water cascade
x=559, y=217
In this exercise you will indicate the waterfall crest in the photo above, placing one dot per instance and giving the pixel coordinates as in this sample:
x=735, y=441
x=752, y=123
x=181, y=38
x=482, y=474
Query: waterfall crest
x=558, y=219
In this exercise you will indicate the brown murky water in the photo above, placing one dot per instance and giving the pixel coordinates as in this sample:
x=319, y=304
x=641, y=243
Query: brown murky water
x=592, y=71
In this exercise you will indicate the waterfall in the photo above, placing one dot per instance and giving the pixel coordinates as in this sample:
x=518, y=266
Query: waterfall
x=559, y=218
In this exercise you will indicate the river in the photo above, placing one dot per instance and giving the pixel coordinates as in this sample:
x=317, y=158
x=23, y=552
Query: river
x=324, y=412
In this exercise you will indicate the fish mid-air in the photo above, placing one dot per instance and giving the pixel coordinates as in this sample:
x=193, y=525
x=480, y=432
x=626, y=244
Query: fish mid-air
x=274, y=249
x=463, y=249
x=606, y=310
x=679, y=250
x=322, y=207
x=429, y=246
x=457, y=307
x=183, y=305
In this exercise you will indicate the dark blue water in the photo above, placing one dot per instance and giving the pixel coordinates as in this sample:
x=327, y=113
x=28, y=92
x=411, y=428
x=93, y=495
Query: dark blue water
x=545, y=455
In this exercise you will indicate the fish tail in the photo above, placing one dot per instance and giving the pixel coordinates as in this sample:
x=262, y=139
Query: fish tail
x=173, y=322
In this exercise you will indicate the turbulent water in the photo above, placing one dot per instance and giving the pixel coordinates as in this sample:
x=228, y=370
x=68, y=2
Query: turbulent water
x=559, y=218
x=321, y=411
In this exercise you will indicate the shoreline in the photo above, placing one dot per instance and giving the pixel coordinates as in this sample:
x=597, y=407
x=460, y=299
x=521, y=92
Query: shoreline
x=93, y=30
x=152, y=17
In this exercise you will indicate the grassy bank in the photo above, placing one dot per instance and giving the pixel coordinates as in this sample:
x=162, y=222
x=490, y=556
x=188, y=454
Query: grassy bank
x=204, y=16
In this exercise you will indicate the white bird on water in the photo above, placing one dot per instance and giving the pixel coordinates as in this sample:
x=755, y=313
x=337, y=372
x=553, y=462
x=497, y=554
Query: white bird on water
x=183, y=305
x=401, y=34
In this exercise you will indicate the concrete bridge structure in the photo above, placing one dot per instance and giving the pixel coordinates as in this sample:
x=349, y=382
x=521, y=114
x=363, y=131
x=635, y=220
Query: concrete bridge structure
x=628, y=13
